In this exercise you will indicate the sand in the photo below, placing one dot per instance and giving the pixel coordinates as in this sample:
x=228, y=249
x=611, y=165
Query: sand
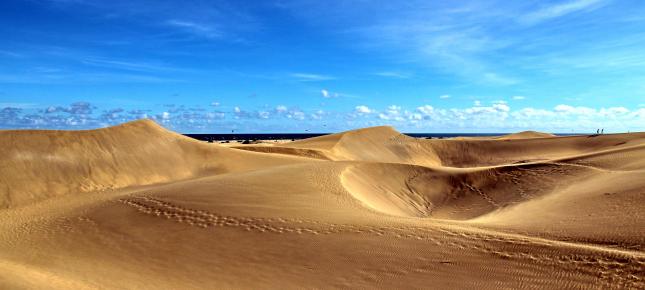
x=136, y=206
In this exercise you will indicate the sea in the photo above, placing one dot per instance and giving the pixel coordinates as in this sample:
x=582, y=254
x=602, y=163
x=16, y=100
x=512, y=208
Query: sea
x=298, y=136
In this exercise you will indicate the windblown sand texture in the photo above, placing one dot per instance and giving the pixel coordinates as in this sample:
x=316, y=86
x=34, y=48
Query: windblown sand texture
x=138, y=207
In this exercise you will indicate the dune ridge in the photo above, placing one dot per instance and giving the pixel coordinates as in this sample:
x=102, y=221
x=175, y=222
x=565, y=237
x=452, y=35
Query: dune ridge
x=368, y=208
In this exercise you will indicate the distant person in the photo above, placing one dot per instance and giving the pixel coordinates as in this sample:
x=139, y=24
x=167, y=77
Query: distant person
x=597, y=131
x=602, y=131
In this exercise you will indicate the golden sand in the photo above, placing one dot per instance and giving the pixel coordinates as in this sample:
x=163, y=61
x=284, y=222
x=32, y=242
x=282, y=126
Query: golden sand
x=138, y=207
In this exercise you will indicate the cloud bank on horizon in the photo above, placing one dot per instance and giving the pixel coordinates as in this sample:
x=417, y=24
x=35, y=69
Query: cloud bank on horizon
x=321, y=66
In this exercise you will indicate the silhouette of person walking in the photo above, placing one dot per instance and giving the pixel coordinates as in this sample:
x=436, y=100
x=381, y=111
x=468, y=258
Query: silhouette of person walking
x=597, y=131
x=602, y=131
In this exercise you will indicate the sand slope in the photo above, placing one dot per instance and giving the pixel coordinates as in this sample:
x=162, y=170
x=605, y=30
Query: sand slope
x=362, y=209
x=40, y=164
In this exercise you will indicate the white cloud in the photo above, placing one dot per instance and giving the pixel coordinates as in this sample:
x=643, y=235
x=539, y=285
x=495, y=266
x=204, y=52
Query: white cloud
x=298, y=115
x=528, y=113
x=416, y=116
x=563, y=108
x=327, y=94
x=560, y=10
x=394, y=108
x=613, y=111
x=215, y=104
x=263, y=115
x=566, y=109
x=444, y=97
x=495, y=108
x=518, y=97
x=318, y=115
x=498, y=116
x=426, y=110
x=501, y=107
x=477, y=103
x=215, y=115
x=392, y=112
x=638, y=114
x=363, y=109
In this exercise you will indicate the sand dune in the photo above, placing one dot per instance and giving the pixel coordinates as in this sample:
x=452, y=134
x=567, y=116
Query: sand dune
x=380, y=144
x=384, y=144
x=526, y=135
x=40, y=164
x=137, y=206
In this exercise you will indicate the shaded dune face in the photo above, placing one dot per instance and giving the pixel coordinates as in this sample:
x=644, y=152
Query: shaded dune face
x=415, y=191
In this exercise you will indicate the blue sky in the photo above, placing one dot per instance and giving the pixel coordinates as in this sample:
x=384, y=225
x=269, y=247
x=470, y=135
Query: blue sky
x=324, y=66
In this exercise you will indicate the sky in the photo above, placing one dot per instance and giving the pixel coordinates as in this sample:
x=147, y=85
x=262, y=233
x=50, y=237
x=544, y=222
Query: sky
x=324, y=66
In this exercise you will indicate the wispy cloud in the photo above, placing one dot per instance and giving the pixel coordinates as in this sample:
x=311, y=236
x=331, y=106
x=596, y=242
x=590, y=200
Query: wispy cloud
x=199, y=29
x=480, y=42
x=308, y=77
x=327, y=94
x=493, y=78
x=125, y=65
x=560, y=10
x=455, y=44
x=393, y=74
x=81, y=77
x=204, y=19
x=7, y=53
x=19, y=105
